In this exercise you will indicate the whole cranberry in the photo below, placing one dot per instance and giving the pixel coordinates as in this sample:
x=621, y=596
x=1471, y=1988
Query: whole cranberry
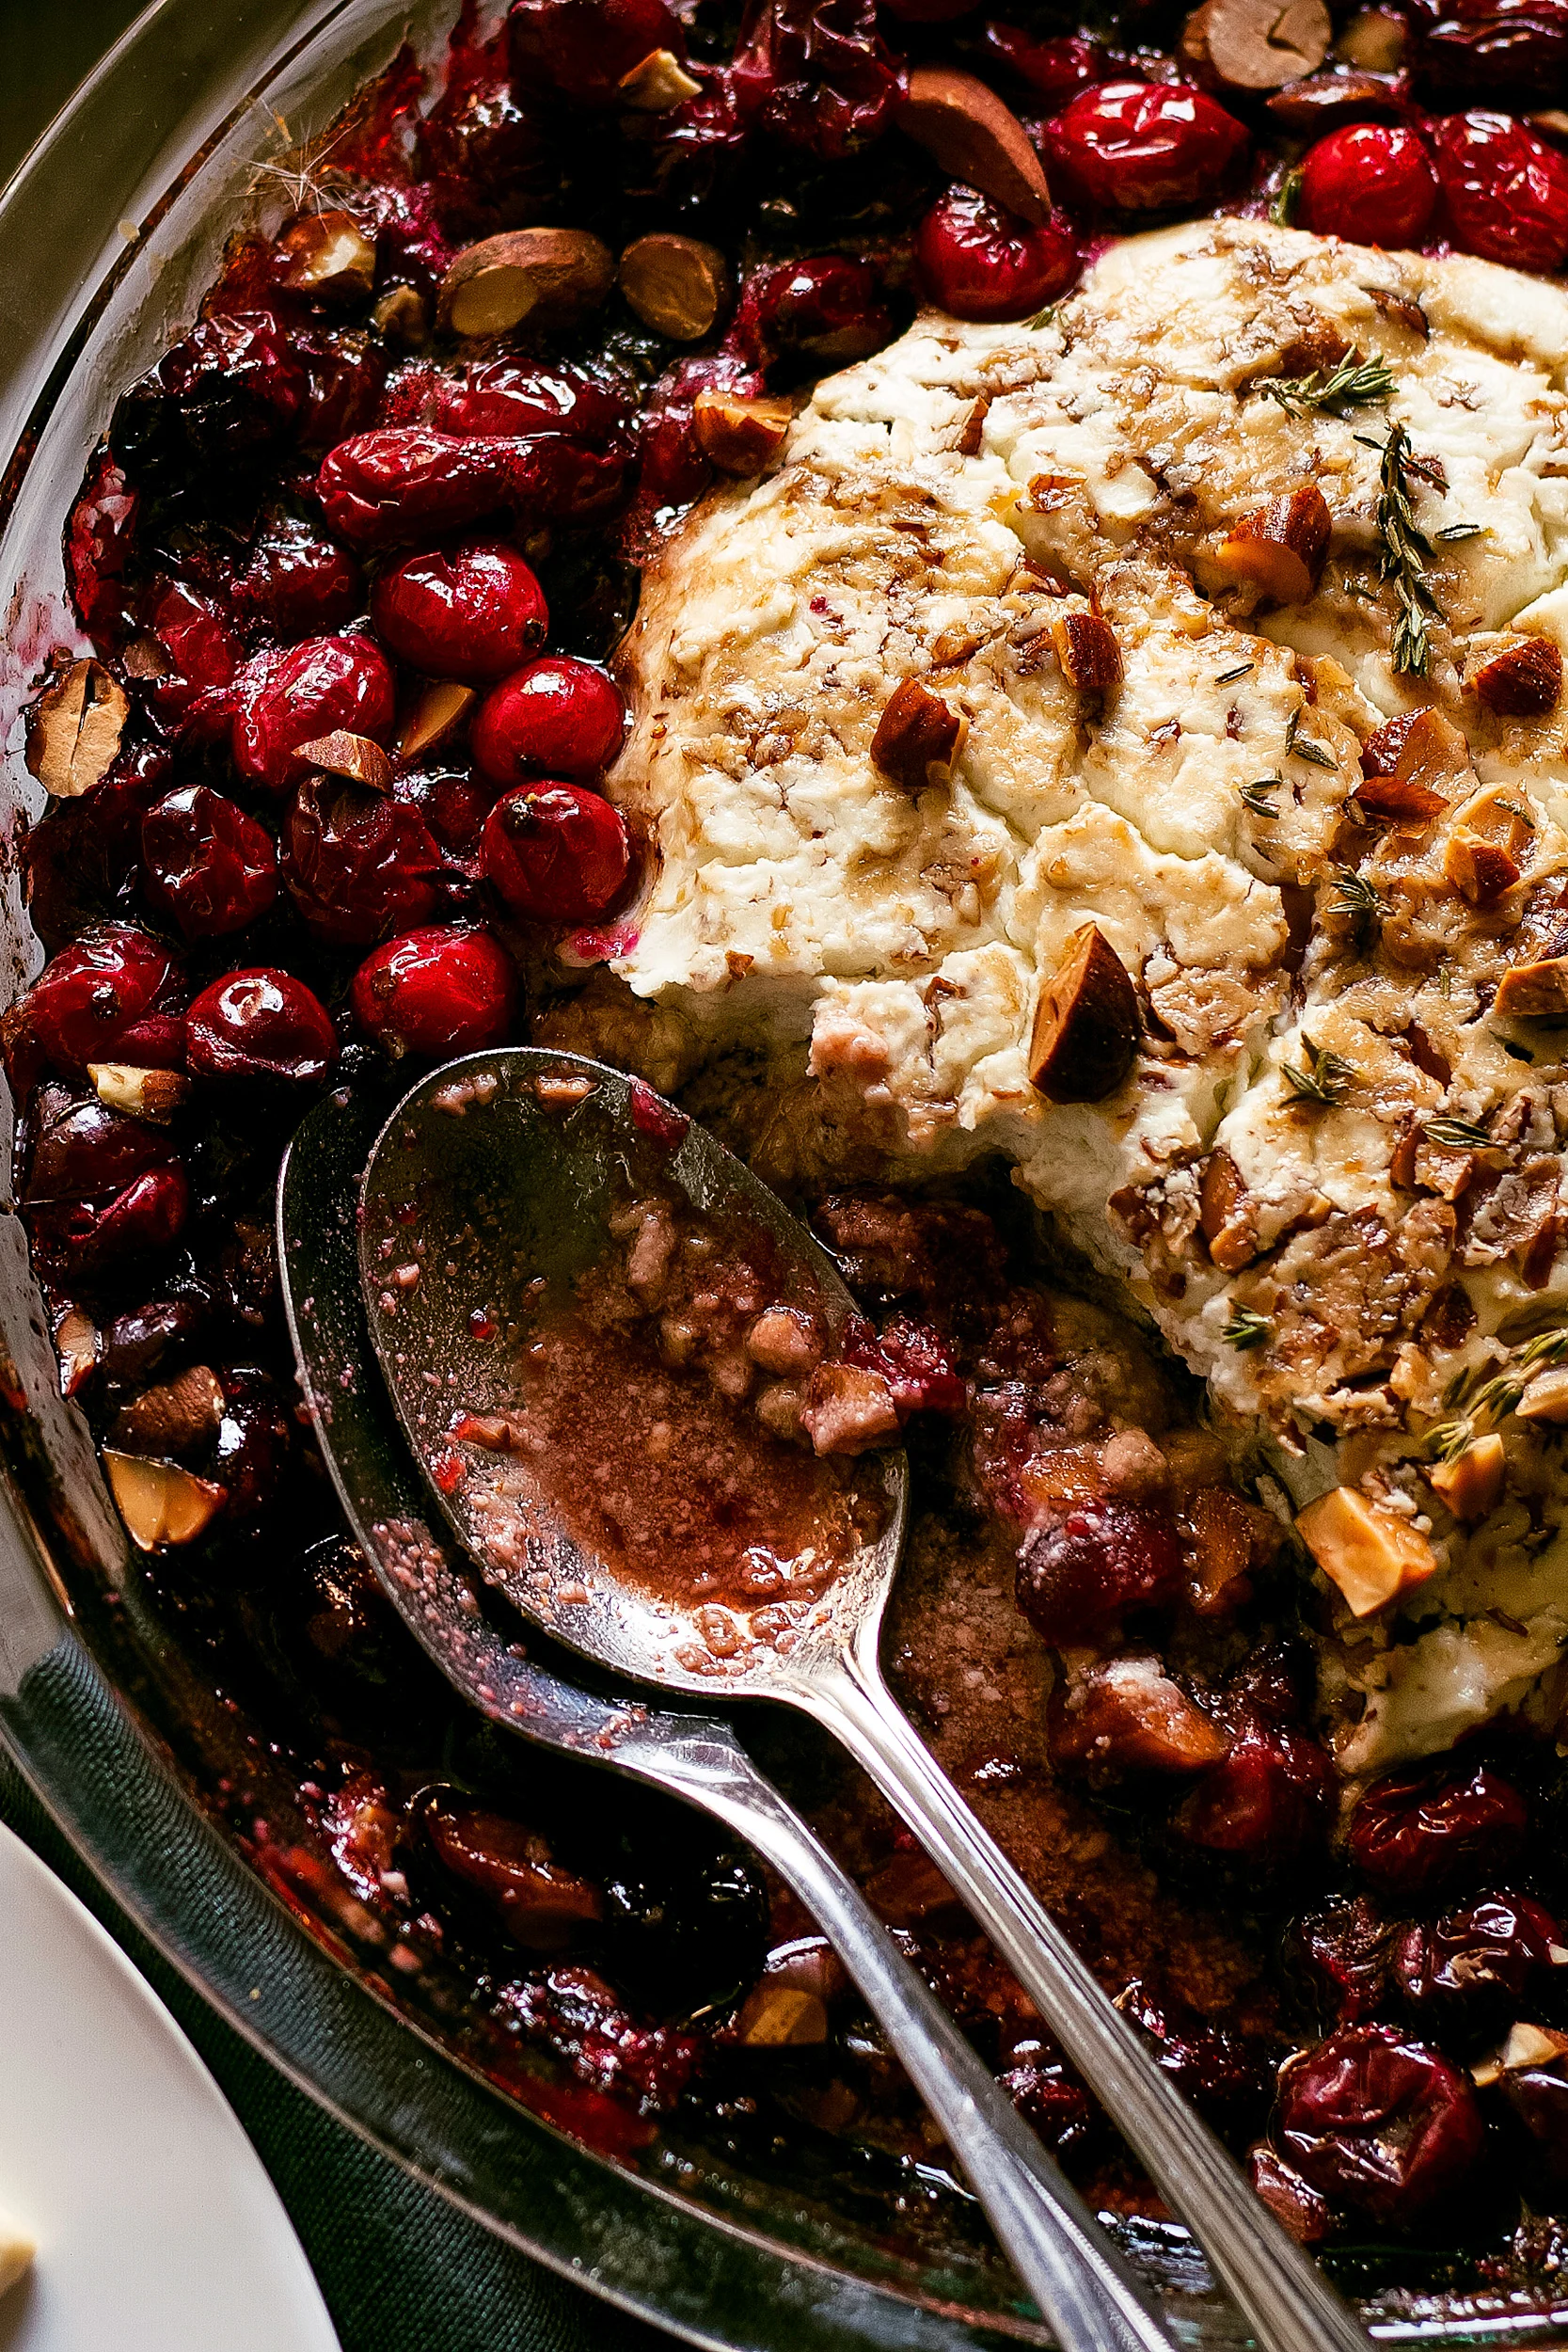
x=828, y=309
x=260, y=1024
x=253, y=1443
x=1418, y=1834
x=453, y=805
x=558, y=715
x=205, y=864
x=520, y=397
x=1053, y=70
x=1350, y=1948
x=202, y=656
x=360, y=865
x=1380, y=2120
x=1143, y=146
x=321, y=686
x=485, y=154
x=1079, y=1573
x=1506, y=191
x=472, y=612
x=585, y=48
x=84, y=1150
x=1369, y=184
x=437, y=990
x=555, y=852
x=509, y=1868
x=1498, y=52
x=344, y=376
x=88, y=997
x=1269, y=1803
x=815, y=76
x=1476, y=1964
x=981, y=262
x=86, y=1237
x=81, y=858
x=388, y=488
x=297, y=582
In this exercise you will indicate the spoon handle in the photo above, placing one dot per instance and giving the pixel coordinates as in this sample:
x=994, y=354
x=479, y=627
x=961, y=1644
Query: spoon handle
x=1082, y=2287
x=1288, y=2304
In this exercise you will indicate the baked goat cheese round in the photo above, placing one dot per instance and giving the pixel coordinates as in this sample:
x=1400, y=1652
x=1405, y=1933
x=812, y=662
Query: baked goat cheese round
x=1220, y=610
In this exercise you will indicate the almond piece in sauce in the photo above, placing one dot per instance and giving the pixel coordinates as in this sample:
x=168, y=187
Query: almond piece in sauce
x=151, y=1094
x=919, y=737
x=1489, y=846
x=1281, y=548
x=178, y=1418
x=1258, y=44
x=675, y=285
x=74, y=729
x=740, y=437
x=1521, y=681
x=1087, y=1023
x=436, y=712
x=657, y=83
x=550, y=277
x=1472, y=1484
x=329, y=255
x=355, y=756
x=161, y=1504
x=1370, y=1554
x=974, y=138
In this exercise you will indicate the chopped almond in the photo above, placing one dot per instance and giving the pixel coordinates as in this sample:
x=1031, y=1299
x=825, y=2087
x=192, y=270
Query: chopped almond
x=675, y=285
x=1534, y=992
x=741, y=436
x=329, y=255
x=1225, y=1215
x=355, y=756
x=76, y=1343
x=161, y=1504
x=1281, y=548
x=1258, y=44
x=1088, y=652
x=775, y=2016
x=1489, y=846
x=919, y=737
x=74, y=729
x=848, y=1410
x=402, y=316
x=1371, y=1554
x=1523, y=681
x=1127, y=1715
x=1527, y=2046
x=436, y=712
x=153, y=1094
x=178, y=1418
x=1374, y=40
x=1546, y=1397
x=974, y=138
x=1431, y=759
x=1472, y=1486
x=550, y=276
x=1087, y=1023
x=659, y=83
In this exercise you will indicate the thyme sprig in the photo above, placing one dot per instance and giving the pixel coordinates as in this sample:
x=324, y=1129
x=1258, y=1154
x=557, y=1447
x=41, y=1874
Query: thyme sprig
x=1405, y=548
x=1355, y=383
x=1256, y=795
x=1456, y=1135
x=1361, y=901
x=1300, y=746
x=1246, y=1330
x=1448, y=1440
x=1323, y=1080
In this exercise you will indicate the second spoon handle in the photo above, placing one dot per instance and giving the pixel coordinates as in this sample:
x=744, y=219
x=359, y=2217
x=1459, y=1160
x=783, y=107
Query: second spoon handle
x=1276, y=2286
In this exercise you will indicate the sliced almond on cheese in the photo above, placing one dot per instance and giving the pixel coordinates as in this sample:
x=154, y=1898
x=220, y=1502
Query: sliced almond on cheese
x=1370, y=1554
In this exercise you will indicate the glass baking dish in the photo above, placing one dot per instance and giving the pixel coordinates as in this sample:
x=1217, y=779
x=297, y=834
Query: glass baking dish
x=107, y=233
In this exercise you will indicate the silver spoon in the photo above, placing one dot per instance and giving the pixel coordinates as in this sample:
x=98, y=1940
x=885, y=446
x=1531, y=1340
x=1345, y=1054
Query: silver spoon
x=507, y=1166
x=1079, y=2280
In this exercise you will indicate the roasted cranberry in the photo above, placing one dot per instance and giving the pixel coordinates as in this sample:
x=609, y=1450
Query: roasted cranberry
x=555, y=852
x=152, y=1341
x=260, y=1025
x=509, y=1868
x=519, y=397
x=202, y=656
x=1506, y=191
x=439, y=991
x=360, y=865
x=453, y=805
x=472, y=612
x=1536, y=2097
x=674, y=470
x=1216, y=2070
x=556, y=717
x=1380, y=2120
x=1418, y=1834
x=1293, y=2203
x=585, y=48
x=82, y=856
x=205, y=864
x=1055, y=70
x=828, y=309
x=487, y=158
x=87, y=999
x=85, y=1148
x=686, y=1927
x=1269, y=1803
x=85, y=1238
x=99, y=537
x=1498, y=51
x=1369, y=184
x=1351, y=1945
x=1079, y=1573
x=226, y=392
x=344, y=376
x=981, y=262
x=914, y=1360
x=383, y=489
x=815, y=74
x=1476, y=1964
x=326, y=684
x=297, y=582
x=338, y=1628
x=576, y=2015
x=1142, y=146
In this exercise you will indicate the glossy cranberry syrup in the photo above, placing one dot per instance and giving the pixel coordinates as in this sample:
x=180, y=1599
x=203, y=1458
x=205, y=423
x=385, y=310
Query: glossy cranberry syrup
x=357, y=579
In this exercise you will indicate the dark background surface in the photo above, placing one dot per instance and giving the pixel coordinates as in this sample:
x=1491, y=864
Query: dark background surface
x=401, y=2270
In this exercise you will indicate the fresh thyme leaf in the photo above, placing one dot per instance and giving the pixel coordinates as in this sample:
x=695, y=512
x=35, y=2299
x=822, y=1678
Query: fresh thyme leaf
x=1324, y=1079
x=1453, y=533
x=1041, y=318
x=1256, y=795
x=1357, y=894
x=1355, y=383
x=1447, y=1441
x=1548, y=1347
x=1456, y=1135
x=1285, y=205
x=1246, y=1330
x=1305, y=747
x=1404, y=546
x=1498, y=1397
x=1229, y=677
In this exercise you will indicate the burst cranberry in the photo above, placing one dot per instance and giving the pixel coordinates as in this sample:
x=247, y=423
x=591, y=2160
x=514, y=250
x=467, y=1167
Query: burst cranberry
x=226, y=392
x=674, y=470
x=439, y=991
x=1079, y=1574
x=470, y=612
x=1351, y=1947
x=260, y=1025
x=828, y=309
x=981, y=262
x=82, y=856
x=360, y=865
x=1416, y=1835
x=298, y=584
x=486, y=155
x=202, y=657
x=1496, y=51
x=519, y=397
x=558, y=716
x=1476, y=1964
x=345, y=377
x=1039, y=2088
x=555, y=853
x=1506, y=191
x=99, y=537
x=453, y=806
x=86, y=1237
x=1216, y=2070
x=90, y=997
x=326, y=684
x=205, y=864
x=509, y=1868
x=1270, y=1802
x=1369, y=184
x=1379, y=2121
x=383, y=489
x=85, y=1151
x=915, y=1362
x=1537, y=2100
x=1143, y=146
x=815, y=75
x=1055, y=70
x=585, y=48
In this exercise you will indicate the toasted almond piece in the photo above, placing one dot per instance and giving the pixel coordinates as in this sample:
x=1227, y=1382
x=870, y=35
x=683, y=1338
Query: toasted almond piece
x=1489, y=846
x=153, y=1094
x=1408, y=807
x=1225, y=1215
x=658, y=83
x=1374, y=40
x=176, y=1418
x=775, y=2016
x=76, y=1343
x=1087, y=1023
x=1546, y=1397
x=919, y=739
x=161, y=1503
x=1550, y=122
x=550, y=277
x=1527, y=2046
x=1258, y=44
x=1522, y=681
x=741, y=436
x=976, y=139
x=1087, y=650
x=675, y=285
x=1126, y=1714
x=355, y=756
x=330, y=255
x=1435, y=751
x=74, y=729
x=1534, y=992
x=436, y=712
x=1472, y=1486
x=848, y=1410
x=1280, y=549
x=1370, y=1554
x=402, y=316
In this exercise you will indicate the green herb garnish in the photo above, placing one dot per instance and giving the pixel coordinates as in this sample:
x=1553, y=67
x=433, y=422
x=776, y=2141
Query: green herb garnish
x=1404, y=546
x=1246, y=1330
x=1323, y=1080
x=1456, y=1135
x=1355, y=383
